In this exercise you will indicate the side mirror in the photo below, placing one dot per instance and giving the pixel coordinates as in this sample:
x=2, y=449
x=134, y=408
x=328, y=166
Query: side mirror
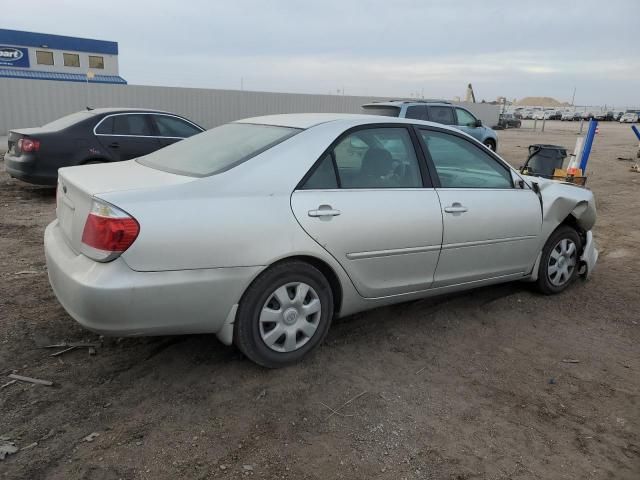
x=478, y=123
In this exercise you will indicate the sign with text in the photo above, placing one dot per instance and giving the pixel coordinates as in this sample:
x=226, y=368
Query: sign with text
x=14, y=57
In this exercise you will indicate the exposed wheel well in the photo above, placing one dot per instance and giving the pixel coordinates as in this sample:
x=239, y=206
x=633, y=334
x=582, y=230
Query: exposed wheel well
x=491, y=141
x=571, y=221
x=327, y=271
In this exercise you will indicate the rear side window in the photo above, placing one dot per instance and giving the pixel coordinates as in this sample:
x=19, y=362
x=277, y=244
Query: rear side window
x=369, y=158
x=418, y=112
x=218, y=149
x=324, y=176
x=105, y=127
x=174, y=127
x=442, y=115
x=137, y=125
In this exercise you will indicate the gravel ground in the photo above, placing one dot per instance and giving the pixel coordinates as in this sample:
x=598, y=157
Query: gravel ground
x=467, y=386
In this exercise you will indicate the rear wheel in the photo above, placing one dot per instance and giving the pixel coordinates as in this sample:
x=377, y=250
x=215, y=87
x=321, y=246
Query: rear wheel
x=284, y=314
x=559, y=262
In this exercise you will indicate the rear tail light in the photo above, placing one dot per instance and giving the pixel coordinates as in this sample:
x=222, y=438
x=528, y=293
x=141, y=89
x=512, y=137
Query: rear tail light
x=108, y=232
x=28, y=145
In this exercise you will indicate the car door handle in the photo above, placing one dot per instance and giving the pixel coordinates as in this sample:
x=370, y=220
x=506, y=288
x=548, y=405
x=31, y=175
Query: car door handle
x=455, y=208
x=324, y=211
x=114, y=145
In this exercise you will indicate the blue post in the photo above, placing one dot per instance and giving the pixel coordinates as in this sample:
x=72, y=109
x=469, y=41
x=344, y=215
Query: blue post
x=588, y=142
x=636, y=131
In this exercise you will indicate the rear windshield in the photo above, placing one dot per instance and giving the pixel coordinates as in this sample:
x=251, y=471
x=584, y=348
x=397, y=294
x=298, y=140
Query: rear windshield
x=383, y=110
x=64, y=122
x=218, y=149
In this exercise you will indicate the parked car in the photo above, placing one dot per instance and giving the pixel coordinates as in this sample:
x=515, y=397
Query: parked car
x=538, y=115
x=264, y=229
x=567, y=116
x=553, y=114
x=587, y=115
x=603, y=116
x=440, y=112
x=617, y=116
x=91, y=136
x=508, y=120
x=629, y=117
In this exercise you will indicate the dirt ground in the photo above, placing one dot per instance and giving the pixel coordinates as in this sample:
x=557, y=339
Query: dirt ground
x=468, y=386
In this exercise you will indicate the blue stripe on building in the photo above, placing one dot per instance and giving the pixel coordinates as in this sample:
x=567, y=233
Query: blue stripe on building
x=65, y=77
x=57, y=42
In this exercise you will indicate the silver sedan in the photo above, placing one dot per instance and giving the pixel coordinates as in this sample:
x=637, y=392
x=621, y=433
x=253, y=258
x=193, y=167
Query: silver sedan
x=264, y=230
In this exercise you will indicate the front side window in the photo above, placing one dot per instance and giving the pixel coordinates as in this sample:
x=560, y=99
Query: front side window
x=465, y=119
x=174, y=127
x=370, y=158
x=218, y=149
x=137, y=125
x=44, y=58
x=441, y=114
x=71, y=59
x=96, y=61
x=418, y=112
x=461, y=164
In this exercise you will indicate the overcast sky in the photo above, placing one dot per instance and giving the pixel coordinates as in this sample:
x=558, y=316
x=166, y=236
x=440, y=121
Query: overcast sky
x=369, y=47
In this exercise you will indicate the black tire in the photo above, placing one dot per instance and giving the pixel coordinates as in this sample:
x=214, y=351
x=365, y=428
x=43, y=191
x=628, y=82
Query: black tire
x=247, y=333
x=490, y=144
x=545, y=282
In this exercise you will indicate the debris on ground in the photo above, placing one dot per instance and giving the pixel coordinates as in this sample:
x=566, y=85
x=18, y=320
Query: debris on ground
x=570, y=360
x=10, y=382
x=262, y=394
x=635, y=168
x=91, y=437
x=63, y=351
x=70, y=346
x=7, y=447
x=31, y=380
x=31, y=445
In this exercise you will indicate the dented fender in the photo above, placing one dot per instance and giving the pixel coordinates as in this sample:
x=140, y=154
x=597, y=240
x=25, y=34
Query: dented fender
x=559, y=200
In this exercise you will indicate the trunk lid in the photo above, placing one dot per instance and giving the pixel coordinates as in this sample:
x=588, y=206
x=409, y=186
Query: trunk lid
x=78, y=185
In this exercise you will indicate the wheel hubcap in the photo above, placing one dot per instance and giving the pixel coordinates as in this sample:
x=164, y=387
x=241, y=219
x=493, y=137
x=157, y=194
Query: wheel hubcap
x=562, y=262
x=290, y=317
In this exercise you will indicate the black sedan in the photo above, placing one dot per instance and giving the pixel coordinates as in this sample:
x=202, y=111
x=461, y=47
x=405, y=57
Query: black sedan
x=91, y=136
x=508, y=120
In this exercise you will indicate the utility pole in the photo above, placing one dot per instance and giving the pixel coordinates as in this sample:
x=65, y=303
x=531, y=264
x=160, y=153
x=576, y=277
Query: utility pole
x=573, y=97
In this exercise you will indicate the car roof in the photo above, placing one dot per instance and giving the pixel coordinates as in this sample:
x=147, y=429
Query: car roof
x=99, y=111
x=308, y=120
x=399, y=103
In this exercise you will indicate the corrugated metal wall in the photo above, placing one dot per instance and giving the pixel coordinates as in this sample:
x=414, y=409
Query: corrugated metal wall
x=28, y=103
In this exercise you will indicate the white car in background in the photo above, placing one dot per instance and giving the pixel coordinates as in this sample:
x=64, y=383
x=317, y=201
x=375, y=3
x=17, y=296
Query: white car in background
x=630, y=117
x=265, y=229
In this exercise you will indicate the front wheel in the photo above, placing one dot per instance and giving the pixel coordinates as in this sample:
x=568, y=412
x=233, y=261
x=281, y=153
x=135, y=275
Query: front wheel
x=284, y=314
x=559, y=263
